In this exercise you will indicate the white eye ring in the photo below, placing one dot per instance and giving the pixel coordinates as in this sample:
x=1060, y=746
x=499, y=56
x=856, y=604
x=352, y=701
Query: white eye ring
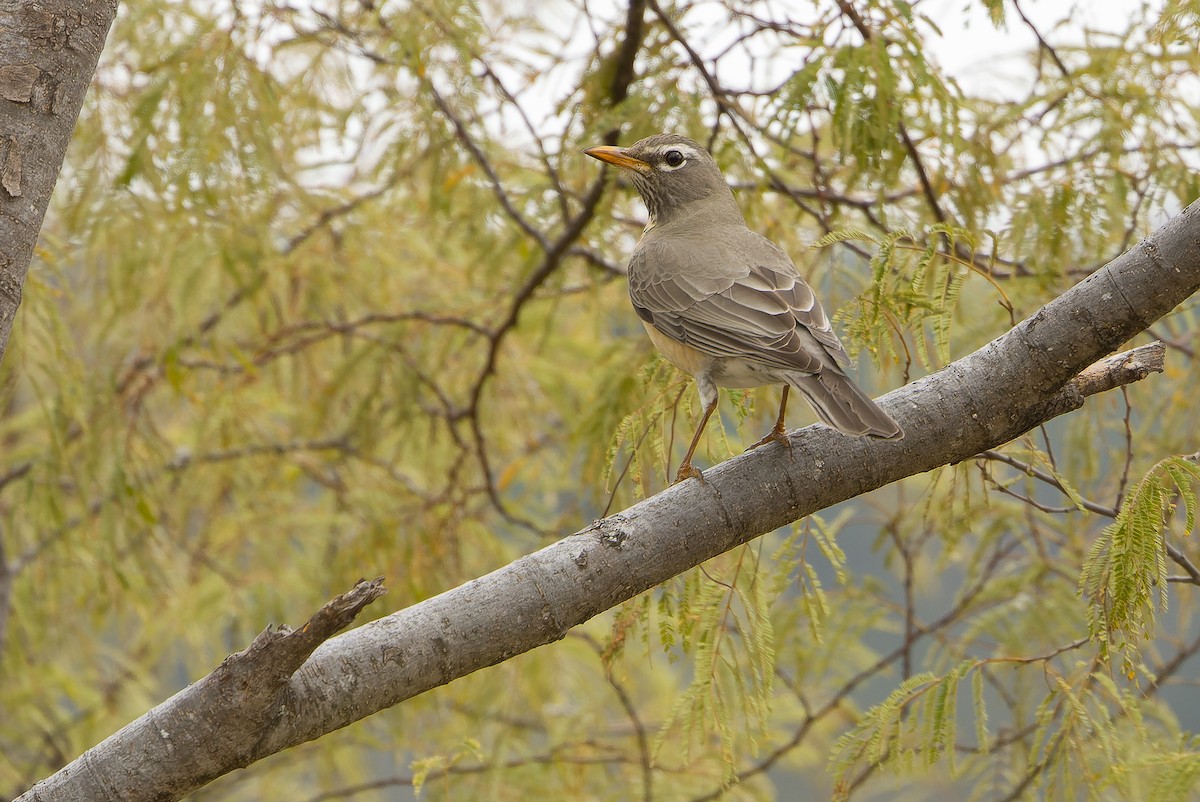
x=666, y=163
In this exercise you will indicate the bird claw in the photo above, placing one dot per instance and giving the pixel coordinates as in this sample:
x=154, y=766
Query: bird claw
x=777, y=435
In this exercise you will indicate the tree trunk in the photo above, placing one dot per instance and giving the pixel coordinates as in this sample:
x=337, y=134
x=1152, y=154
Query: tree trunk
x=48, y=54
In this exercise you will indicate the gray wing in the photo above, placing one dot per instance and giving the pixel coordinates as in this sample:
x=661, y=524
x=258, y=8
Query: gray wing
x=733, y=297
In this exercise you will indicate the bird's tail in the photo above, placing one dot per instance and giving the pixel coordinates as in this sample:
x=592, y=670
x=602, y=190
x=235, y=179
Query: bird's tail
x=839, y=403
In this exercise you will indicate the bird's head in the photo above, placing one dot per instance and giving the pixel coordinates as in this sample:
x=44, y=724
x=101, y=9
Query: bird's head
x=672, y=174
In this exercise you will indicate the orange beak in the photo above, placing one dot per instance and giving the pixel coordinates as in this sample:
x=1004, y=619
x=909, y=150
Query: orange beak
x=618, y=157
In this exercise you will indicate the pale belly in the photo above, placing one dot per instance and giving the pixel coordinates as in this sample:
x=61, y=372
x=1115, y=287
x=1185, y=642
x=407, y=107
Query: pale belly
x=723, y=372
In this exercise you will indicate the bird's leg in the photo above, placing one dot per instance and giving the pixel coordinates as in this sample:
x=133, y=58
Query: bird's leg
x=778, y=433
x=686, y=469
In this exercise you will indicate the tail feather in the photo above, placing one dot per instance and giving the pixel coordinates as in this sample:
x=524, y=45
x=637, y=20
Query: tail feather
x=839, y=403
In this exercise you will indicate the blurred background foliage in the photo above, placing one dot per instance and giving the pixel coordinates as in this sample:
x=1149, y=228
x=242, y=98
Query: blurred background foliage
x=327, y=291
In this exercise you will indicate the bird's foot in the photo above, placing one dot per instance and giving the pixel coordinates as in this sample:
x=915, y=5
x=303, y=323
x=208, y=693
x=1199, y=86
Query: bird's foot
x=777, y=435
x=688, y=471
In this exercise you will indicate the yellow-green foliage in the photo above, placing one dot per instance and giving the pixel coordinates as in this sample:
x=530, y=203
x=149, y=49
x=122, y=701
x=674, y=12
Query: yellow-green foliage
x=300, y=314
x=1125, y=575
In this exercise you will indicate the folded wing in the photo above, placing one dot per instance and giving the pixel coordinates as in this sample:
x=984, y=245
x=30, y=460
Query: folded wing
x=748, y=303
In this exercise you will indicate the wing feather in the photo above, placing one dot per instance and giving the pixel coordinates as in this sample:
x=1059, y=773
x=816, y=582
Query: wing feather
x=743, y=299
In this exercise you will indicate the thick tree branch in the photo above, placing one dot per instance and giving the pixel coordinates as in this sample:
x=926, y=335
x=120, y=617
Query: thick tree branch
x=213, y=725
x=1035, y=371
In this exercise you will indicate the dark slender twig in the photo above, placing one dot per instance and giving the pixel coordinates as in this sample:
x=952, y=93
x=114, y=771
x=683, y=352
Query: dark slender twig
x=1042, y=43
x=477, y=155
x=1050, y=479
x=1127, y=427
x=631, y=713
x=1181, y=559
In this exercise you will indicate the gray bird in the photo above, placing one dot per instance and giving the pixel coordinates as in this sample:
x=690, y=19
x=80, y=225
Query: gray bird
x=725, y=304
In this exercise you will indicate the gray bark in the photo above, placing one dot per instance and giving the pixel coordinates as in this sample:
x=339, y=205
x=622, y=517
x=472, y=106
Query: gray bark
x=48, y=54
x=1027, y=376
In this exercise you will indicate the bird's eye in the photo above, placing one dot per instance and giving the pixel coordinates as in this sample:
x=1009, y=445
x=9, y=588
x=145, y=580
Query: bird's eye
x=673, y=158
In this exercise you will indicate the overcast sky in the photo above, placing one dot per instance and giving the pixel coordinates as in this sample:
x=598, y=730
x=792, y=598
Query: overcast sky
x=985, y=59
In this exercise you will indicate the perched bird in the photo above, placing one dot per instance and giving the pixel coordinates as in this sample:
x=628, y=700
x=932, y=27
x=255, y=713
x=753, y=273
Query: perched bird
x=725, y=304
